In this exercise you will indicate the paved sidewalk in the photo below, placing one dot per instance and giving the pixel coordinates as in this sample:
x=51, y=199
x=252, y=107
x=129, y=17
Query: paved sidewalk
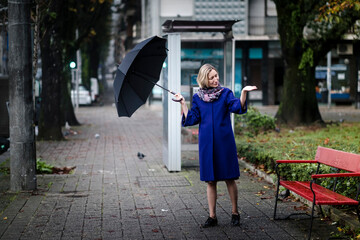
x=115, y=195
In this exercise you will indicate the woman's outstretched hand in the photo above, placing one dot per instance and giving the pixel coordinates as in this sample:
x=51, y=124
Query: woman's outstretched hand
x=249, y=88
x=244, y=93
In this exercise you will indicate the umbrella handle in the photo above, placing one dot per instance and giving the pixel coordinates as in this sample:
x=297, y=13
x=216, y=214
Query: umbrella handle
x=176, y=100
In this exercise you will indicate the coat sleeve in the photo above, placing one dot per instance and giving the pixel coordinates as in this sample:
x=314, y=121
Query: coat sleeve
x=193, y=116
x=234, y=104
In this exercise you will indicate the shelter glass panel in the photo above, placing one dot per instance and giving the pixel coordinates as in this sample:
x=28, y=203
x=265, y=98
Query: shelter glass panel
x=193, y=56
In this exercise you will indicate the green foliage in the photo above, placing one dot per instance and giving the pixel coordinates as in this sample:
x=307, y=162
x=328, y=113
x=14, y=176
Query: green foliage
x=49, y=185
x=4, y=169
x=254, y=154
x=307, y=59
x=345, y=232
x=301, y=144
x=53, y=15
x=42, y=167
x=253, y=122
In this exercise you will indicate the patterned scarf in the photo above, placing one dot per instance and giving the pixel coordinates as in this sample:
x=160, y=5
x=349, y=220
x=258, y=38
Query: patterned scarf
x=210, y=94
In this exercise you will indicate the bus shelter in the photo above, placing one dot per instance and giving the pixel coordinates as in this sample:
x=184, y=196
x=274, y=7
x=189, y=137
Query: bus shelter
x=179, y=74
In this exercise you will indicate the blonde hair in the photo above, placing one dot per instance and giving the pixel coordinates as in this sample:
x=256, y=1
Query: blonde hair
x=203, y=75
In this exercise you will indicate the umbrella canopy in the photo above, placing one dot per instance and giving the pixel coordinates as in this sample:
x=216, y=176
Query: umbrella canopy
x=137, y=74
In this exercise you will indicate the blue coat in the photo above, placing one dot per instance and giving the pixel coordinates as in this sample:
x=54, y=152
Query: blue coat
x=217, y=148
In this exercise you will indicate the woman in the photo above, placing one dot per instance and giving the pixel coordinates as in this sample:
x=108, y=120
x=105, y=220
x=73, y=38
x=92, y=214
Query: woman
x=217, y=150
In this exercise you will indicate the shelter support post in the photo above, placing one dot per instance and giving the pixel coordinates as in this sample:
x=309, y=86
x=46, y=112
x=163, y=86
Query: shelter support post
x=172, y=117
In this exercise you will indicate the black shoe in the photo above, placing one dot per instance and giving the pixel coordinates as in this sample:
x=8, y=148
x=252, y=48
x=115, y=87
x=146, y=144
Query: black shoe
x=210, y=222
x=235, y=219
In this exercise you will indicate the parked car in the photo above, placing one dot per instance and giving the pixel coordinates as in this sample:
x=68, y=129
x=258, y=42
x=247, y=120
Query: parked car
x=84, y=96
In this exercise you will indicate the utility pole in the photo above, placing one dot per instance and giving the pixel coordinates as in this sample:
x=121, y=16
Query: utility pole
x=22, y=133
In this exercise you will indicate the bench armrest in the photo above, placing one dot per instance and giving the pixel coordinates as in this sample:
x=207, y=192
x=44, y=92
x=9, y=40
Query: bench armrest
x=296, y=161
x=335, y=175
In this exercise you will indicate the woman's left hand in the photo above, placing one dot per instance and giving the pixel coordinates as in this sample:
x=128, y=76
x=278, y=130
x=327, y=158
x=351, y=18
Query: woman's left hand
x=244, y=93
x=249, y=88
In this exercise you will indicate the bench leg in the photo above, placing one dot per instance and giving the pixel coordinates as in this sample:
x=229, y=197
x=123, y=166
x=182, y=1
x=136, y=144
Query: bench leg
x=276, y=199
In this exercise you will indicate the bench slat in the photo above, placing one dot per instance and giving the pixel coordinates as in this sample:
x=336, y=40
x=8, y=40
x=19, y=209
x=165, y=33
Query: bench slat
x=333, y=196
x=338, y=159
x=323, y=196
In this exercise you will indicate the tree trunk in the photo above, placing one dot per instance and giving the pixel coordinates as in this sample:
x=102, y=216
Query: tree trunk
x=51, y=55
x=299, y=104
x=22, y=134
x=94, y=59
x=94, y=55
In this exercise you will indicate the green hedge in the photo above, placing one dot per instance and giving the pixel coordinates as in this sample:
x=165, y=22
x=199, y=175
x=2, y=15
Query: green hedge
x=265, y=146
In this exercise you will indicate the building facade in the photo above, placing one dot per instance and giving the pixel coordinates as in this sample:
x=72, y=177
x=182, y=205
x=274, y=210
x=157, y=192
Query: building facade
x=258, y=59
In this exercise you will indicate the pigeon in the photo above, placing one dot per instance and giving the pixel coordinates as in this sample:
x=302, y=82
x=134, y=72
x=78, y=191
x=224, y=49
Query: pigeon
x=140, y=155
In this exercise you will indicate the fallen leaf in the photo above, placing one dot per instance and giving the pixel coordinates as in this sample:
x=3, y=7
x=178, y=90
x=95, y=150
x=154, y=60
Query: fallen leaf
x=326, y=141
x=62, y=170
x=265, y=197
x=5, y=218
x=302, y=208
x=155, y=230
x=260, y=193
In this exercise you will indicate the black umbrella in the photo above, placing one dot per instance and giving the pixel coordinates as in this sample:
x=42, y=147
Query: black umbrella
x=137, y=74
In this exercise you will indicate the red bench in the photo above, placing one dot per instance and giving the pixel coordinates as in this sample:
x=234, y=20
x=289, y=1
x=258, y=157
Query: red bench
x=317, y=194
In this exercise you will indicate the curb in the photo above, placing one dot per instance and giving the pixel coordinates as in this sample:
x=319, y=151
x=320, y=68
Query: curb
x=335, y=214
x=267, y=177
